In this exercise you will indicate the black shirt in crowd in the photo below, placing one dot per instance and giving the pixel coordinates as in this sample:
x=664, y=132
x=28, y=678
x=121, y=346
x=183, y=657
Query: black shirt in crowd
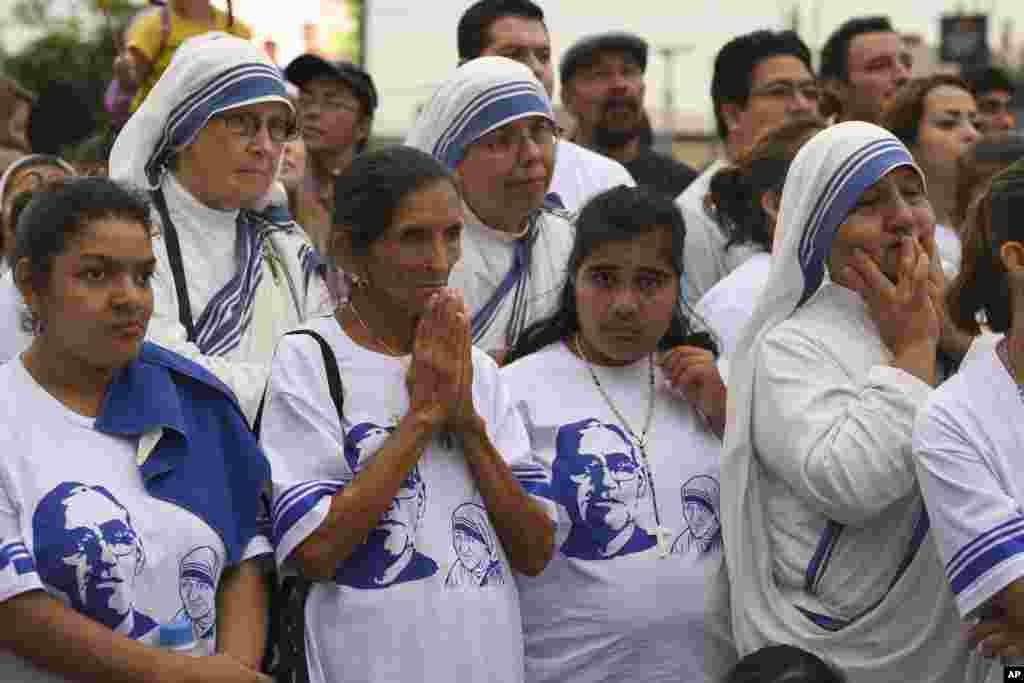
x=661, y=172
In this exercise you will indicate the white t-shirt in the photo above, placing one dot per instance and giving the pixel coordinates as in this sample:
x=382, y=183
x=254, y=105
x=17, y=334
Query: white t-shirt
x=706, y=260
x=967, y=445
x=76, y=521
x=727, y=306
x=947, y=242
x=13, y=338
x=612, y=605
x=429, y=596
x=581, y=173
x=487, y=256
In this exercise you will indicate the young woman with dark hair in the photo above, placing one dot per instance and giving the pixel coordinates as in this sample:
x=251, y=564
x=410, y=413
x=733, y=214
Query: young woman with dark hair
x=744, y=199
x=95, y=542
x=614, y=388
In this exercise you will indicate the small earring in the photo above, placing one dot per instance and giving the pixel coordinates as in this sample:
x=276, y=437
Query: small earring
x=357, y=282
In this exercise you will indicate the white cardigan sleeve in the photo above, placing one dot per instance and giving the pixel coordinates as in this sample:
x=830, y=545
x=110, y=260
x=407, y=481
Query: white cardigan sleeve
x=842, y=443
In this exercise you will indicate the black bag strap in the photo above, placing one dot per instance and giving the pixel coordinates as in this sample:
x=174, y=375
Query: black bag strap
x=170, y=234
x=333, y=379
x=285, y=658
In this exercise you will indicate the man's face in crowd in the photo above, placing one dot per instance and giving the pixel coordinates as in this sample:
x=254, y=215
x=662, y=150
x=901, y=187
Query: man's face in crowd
x=782, y=89
x=525, y=41
x=878, y=64
x=606, y=97
x=994, y=112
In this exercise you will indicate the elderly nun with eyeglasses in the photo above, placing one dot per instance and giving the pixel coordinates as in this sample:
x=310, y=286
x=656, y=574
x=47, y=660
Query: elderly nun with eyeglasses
x=491, y=123
x=207, y=142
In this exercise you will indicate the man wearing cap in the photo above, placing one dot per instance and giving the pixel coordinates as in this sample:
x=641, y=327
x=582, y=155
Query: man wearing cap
x=603, y=88
x=337, y=101
x=515, y=29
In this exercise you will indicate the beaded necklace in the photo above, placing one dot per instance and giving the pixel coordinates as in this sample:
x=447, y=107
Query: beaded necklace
x=663, y=534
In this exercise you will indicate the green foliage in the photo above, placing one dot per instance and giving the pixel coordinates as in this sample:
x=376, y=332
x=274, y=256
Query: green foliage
x=76, y=42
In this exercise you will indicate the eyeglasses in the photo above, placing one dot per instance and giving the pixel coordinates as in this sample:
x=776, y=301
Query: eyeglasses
x=247, y=125
x=788, y=90
x=508, y=141
x=329, y=103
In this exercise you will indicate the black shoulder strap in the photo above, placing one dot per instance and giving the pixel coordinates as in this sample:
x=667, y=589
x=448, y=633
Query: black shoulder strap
x=333, y=379
x=170, y=235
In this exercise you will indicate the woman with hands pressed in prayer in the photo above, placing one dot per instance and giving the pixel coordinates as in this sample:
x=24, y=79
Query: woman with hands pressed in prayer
x=368, y=485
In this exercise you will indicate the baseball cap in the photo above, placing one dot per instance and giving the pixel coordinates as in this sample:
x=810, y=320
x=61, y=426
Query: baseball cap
x=305, y=68
x=585, y=51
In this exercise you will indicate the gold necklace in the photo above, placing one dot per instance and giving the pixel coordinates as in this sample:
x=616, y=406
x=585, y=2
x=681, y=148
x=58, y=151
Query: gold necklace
x=370, y=332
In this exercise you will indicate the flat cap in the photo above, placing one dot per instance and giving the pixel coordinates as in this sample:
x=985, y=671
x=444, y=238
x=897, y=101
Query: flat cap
x=584, y=51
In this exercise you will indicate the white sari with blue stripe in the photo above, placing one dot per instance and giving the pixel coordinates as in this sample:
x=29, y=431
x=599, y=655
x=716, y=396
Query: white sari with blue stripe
x=825, y=537
x=245, y=281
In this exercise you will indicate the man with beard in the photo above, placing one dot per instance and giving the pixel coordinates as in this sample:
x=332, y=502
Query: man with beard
x=603, y=88
x=515, y=29
x=863, y=64
x=761, y=80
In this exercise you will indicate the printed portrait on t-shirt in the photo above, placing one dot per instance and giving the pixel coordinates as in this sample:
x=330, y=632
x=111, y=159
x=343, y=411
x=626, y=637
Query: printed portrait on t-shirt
x=599, y=479
x=15, y=555
x=703, y=532
x=197, y=587
x=389, y=555
x=476, y=546
x=86, y=548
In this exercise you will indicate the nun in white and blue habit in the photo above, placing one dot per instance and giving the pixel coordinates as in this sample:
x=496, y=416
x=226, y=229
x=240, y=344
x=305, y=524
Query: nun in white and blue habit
x=508, y=280
x=228, y=283
x=826, y=537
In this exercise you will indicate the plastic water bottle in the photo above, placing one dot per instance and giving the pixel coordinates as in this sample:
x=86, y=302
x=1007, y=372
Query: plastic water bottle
x=177, y=636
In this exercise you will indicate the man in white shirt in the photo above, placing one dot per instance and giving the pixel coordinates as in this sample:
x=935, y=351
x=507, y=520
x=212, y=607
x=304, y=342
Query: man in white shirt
x=761, y=80
x=515, y=29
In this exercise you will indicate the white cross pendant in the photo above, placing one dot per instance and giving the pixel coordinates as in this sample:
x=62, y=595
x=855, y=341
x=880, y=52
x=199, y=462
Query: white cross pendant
x=665, y=536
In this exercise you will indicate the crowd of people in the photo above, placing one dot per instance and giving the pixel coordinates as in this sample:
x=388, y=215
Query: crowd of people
x=506, y=402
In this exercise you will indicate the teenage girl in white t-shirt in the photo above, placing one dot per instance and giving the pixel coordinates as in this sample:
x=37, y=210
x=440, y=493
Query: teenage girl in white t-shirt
x=970, y=435
x=129, y=481
x=624, y=414
x=396, y=493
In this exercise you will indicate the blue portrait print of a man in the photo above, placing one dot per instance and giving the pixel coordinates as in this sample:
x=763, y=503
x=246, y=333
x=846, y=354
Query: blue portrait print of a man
x=86, y=548
x=703, y=531
x=598, y=478
x=197, y=586
x=389, y=555
x=476, y=547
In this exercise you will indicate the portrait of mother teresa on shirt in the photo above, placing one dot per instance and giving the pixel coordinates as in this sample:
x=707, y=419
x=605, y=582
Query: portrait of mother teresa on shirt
x=599, y=479
x=389, y=555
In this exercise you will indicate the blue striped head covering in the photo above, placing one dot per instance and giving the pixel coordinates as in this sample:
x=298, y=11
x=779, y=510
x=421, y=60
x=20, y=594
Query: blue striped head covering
x=482, y=95
x=209, y=74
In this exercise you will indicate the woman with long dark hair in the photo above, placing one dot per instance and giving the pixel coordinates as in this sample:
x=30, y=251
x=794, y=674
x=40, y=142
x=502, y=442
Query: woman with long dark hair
x=615, y=387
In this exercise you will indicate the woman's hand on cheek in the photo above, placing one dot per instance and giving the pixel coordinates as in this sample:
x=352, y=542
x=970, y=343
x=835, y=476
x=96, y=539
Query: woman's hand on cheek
x=692, y=371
